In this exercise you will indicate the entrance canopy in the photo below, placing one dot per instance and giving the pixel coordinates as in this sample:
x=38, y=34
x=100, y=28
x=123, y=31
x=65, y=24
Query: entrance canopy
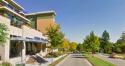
x=12, y=37
x=34, y=39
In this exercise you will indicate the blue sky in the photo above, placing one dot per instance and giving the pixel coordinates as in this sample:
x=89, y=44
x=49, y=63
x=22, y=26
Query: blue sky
x=78, y=17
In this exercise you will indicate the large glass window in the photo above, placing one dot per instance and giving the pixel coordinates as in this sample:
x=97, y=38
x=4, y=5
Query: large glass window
x=1, y=12
x=12, y=8
x=15, y=48
x=0, y=57
x=15, y=21
x=1, y=4
x=32, y=48
x=33, y=22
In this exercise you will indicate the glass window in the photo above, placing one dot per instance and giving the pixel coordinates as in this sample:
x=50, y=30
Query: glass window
x=15, y=48
x=16, y=21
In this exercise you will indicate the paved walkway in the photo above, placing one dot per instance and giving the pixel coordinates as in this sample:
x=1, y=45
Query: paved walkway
x=74, y=60
x=50, y=60
x=117, y=62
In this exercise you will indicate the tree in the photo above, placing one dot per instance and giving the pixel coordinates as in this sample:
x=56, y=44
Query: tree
x=73, y=46
x=120, y=44
x=104, y=42
x=91, y=43
x=55, y=35
x=79, y=47
x=3, y=32
x=123, y=36
x=117, y=48
x=109, y=48
x=65, y=45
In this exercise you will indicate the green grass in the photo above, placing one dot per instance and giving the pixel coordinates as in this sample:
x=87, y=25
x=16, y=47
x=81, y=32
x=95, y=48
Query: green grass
x=56, y=62
x=97, y=61
x=5, y=64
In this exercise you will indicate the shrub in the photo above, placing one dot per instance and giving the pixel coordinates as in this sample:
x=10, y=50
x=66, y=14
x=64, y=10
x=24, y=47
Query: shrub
x=53, y=54
x=20, y=65
x=118, y=50
x=6, y=64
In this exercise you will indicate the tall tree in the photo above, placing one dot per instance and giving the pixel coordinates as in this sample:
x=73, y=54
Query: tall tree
x=120, y=45
x=3, y=32
x=91, y=42
x=123, y=36
x=79, y=47
x=73, y=46
x=104, y=41
x=55, y=35
x=65, y=45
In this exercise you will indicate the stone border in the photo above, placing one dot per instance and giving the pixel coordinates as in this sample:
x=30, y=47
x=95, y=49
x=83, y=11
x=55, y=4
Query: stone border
x=62, y=60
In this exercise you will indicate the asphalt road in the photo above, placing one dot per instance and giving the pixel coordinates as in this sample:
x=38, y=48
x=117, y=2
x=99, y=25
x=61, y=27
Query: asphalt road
x=74, y=60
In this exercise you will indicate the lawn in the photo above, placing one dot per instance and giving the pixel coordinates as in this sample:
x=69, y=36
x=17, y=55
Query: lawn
x=5, y=64
x=96, y=61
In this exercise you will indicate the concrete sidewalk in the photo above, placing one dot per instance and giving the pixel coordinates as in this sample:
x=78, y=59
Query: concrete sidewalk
x=50, y=60
x=74, y=60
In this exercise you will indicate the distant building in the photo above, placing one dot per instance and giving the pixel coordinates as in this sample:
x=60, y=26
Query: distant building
x=42, y=20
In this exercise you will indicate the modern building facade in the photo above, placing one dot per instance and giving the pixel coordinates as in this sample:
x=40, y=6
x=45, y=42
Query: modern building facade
x=23, y=39
x=42, y=20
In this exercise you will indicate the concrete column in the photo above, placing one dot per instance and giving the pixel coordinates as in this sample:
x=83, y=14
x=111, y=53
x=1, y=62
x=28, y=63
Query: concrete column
x=46, y=49
x=24, y=52
x=4, y=50
x=24, y=46
x=7, y=50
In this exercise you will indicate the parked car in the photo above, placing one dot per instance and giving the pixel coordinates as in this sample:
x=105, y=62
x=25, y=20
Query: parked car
x=76, y=52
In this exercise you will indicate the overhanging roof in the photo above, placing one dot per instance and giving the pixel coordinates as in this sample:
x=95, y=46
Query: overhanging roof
x=14, y=4
x=8, y=9
x=17, y=38
x=41, y=13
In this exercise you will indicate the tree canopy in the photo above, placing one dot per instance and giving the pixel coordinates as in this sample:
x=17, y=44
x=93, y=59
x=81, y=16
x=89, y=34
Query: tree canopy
x=55, y=35
x=120, y=44
x=65, y=45
x=80, y=47
x=91, y=42
x=73, y=46
x=104, y=42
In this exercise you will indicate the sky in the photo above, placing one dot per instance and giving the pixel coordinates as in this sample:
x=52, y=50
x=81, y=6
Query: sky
x=78, y=18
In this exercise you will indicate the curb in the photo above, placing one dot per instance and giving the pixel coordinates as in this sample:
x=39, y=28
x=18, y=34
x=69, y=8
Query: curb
x=88, y=62
x=62, y=60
